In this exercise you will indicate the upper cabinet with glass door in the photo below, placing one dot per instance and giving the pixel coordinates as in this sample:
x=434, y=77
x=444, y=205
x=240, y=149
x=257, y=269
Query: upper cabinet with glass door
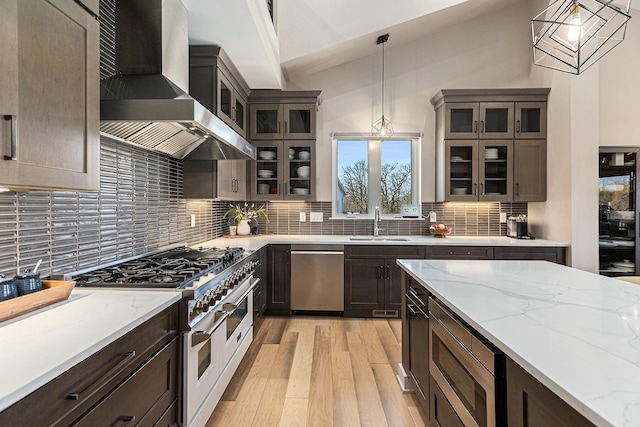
x=490, y=144
x=283, y=114
x=531, y=120
x=216, y=83
x=484, y=120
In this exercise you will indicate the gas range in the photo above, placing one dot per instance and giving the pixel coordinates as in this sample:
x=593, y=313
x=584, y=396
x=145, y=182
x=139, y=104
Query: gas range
x=206, y=277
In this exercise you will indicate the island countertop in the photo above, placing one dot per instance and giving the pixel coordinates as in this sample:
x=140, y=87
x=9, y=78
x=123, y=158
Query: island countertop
x=578, y=333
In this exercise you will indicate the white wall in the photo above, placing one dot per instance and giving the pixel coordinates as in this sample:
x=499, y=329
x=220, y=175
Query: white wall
x=487, y=52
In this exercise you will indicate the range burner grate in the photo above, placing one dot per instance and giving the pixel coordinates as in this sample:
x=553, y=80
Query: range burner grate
x=168, y=269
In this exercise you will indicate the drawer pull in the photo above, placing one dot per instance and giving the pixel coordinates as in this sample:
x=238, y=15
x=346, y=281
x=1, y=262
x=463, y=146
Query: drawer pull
x=453, y=253
x=127, y=418
x=412, y=308
x=108, y=376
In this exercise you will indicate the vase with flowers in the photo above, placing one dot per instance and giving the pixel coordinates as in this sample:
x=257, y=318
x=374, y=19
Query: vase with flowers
x=245, y=214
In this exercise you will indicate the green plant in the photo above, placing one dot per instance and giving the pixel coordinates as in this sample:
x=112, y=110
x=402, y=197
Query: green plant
x=239, y=213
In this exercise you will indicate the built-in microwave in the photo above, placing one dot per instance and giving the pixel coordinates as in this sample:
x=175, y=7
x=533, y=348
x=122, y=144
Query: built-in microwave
x=469, y=372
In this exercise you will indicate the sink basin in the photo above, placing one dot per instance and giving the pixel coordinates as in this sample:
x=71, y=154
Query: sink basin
x=378, y=239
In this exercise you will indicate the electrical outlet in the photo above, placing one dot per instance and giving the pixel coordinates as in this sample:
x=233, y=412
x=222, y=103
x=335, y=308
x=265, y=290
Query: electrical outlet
x=193, y=220
x=315, y=217
x=433, y=217
x=303, y=216
x=503, y=217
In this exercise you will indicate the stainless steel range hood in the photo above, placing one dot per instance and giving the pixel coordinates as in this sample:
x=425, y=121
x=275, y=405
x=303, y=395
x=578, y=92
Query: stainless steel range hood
x=144, y=100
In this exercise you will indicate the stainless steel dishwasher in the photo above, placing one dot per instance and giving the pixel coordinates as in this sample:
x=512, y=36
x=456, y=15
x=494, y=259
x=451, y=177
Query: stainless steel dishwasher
x=317, y=278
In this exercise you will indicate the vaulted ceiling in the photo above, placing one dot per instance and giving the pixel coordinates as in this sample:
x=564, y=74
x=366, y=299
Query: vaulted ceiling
x=310, y=35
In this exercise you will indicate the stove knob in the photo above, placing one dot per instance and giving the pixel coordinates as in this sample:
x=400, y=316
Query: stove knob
x=197, y=308
x=224, y=290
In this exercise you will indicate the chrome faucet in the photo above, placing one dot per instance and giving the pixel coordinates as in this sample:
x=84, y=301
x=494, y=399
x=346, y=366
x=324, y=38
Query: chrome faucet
x=376, y=220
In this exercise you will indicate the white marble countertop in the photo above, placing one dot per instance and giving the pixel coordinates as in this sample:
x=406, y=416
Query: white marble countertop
x=39, y=346
x=578, y=333
x=256, y=242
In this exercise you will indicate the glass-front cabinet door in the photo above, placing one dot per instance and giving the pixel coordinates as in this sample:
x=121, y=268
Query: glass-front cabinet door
x=266, y=171
x=531, y=120
x=495, y=170
x=266, y=121
x=231, y=106
x=461, y=174
x=299, y=121
x=300, y=170
x=283, y=170
x=496, y=120
x=461, y=120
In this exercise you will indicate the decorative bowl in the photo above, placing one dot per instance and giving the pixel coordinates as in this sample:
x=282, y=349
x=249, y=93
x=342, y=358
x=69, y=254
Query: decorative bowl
x=267, y=155
x=439, y=232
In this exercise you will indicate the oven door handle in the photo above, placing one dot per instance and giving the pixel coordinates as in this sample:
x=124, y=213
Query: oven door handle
x=198, y=337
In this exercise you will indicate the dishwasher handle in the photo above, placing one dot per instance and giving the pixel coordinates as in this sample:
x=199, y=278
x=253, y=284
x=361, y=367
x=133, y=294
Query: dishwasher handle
x=316, y=253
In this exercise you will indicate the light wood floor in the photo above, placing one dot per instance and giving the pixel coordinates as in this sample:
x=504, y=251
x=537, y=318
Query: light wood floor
x=320, y=371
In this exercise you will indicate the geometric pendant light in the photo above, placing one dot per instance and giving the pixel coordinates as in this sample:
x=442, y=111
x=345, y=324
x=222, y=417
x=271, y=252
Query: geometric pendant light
x=571, y=35
x=382, y=126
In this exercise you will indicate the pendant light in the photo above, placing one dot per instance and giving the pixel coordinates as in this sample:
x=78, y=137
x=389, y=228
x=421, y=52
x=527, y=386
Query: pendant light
x=382, y=127
x=571, y=35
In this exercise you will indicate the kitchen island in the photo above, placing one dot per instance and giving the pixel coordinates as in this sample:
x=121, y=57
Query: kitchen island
x=575, y=332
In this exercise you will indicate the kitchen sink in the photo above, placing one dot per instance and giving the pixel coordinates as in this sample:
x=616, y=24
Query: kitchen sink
x=378, y=239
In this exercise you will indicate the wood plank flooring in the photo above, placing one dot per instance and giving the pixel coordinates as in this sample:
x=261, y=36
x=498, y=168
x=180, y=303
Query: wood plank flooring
x=320, y=371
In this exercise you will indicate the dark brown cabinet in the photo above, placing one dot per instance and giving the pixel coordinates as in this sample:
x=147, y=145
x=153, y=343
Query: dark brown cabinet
x=217, y=84
x=441, y=413
x=279, y=279
x=553, y=254
x=530, y=170
x=415, y=338
x=260, y=292
x=372, y=279
x=491, y=145
x=530, y=403
x=135, y=377
x=49, y=80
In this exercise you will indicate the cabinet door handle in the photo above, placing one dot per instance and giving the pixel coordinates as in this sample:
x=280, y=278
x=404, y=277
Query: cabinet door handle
x=14, y=136
x=388, y=272
x=475, y=126
x=482, y=188
x=517, y=189
x=482, y=126
x=105, y=378
x=380, y=271
x=126, y=419
x=518, y=126
x=475, y=188
x=278, y=127
x=286, y=126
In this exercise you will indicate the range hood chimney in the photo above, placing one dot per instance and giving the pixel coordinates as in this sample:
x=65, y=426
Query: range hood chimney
x=143, y=96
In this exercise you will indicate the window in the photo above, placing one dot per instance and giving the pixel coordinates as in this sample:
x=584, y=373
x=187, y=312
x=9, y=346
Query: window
x=373, y=172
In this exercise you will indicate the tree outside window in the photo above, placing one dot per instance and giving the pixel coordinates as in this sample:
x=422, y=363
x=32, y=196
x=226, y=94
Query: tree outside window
x=374, y=173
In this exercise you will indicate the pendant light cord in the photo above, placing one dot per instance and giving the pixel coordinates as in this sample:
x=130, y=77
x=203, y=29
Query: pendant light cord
x=383, y=79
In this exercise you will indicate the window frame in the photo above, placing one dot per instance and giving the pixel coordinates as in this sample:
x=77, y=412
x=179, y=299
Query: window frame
x=374, y=162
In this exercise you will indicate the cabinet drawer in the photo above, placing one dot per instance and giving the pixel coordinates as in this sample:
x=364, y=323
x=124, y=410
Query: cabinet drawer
x=417, y=292
x=394, y=252
x=72, y=393
x=144, y=397
x=461, y=252
x=546, y=254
